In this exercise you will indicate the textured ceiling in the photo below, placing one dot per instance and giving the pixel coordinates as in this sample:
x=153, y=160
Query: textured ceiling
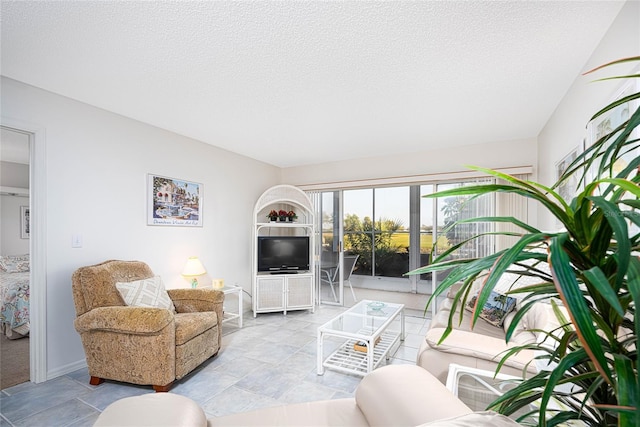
x=300, y=82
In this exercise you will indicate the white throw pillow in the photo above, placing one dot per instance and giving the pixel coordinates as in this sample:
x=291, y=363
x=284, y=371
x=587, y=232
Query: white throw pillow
x=145, y=293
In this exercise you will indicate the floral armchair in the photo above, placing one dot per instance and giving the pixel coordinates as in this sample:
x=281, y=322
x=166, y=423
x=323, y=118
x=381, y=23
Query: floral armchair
x=143, y=345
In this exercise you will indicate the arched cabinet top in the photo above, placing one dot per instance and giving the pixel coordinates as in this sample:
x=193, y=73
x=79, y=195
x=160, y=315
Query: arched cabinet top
x=284, y=194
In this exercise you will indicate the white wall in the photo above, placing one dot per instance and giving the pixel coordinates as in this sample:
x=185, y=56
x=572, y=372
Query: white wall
x=96, y=185
x=12, y=175
x=490, y=155
x=567, y=126
x=10, y=241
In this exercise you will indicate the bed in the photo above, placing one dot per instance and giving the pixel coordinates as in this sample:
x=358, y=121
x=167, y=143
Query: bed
x=14, y=296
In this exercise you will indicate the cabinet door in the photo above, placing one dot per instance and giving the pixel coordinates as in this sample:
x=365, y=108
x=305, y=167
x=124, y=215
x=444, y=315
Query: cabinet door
x=270, y=293
x=299, y=291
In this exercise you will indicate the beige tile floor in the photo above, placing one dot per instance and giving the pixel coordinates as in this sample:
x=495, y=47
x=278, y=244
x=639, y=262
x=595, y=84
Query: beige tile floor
x=270, y=361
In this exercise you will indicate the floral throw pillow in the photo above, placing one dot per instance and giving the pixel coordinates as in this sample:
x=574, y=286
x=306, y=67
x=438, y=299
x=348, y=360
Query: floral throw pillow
x=495, y=309
x=14, y=263
x=145, y=293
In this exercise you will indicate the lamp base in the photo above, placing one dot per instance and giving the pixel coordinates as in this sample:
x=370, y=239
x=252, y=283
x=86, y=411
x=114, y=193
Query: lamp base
x=194, y=283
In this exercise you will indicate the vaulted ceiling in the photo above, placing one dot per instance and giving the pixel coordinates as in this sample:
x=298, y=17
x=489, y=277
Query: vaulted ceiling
x=300, y=82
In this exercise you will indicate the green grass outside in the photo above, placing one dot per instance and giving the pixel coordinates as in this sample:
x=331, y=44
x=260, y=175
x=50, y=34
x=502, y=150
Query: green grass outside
x=402, y=240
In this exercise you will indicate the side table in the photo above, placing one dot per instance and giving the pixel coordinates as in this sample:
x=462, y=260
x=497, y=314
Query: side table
x=228, y=316
x=478, y=388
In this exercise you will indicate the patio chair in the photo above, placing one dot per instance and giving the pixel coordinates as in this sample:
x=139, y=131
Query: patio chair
x=332, y=276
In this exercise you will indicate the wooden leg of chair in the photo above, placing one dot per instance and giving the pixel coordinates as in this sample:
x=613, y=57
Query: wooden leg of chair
x=96, y=381
x=162, y=388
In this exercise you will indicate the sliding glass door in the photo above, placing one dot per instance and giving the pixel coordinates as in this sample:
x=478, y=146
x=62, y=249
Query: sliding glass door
x=393, y=230
x=330, y=248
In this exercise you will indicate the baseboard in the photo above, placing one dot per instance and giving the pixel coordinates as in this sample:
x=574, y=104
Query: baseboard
x=66, y=369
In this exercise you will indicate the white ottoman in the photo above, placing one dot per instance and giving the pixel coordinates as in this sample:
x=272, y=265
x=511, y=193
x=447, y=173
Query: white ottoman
x=153, y=409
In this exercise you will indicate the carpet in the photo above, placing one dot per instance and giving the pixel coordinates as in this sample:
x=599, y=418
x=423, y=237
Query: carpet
x=14, y=361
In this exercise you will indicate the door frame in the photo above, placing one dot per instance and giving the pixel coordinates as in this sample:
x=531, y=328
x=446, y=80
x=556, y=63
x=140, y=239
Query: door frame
x=37, y=246
x=338, y=226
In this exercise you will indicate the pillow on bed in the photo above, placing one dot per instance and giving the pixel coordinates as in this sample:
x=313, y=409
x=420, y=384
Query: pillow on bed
x=145, y=293
x=14, y=263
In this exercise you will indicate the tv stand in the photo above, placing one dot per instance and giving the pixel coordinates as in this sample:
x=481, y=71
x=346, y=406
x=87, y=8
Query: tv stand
x=283, y=290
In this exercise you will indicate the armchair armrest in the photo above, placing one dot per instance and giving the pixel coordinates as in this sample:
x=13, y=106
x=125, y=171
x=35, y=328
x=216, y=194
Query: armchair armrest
x=195, y=300
x=124, y=319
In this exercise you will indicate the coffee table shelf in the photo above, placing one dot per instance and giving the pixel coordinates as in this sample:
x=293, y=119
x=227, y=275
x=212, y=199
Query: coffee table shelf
x=348, y=360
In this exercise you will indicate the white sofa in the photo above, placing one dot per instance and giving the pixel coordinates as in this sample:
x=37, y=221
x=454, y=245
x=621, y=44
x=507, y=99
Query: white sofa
x=395, y=395
x=483, y=346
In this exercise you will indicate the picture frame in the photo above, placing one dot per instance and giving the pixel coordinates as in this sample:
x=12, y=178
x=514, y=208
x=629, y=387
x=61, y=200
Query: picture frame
x=613, y=118
x=25, y=224
x=609, y=121
x=569, y=187
x=174, y=202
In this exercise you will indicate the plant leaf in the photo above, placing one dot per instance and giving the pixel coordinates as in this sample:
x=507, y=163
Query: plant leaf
x=616, y=220
x=573, y=300
x=598, y=280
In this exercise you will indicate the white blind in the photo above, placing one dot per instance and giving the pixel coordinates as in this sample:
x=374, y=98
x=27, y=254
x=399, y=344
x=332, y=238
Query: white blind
x=509, y=204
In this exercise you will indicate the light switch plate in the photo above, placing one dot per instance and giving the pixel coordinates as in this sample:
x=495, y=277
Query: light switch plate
x=76, y=241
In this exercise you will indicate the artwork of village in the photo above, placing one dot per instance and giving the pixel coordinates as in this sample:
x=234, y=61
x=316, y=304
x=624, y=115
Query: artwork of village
x=174, y=202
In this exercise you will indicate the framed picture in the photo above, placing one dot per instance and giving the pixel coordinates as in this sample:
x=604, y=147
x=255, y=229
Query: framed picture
x=569, y=187
x=172, y=201
x=24, y=222
x=612, y=119
x=609, y=121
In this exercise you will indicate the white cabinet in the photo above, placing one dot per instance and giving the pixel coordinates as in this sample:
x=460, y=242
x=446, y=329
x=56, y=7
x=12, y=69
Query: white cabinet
x=283, y=292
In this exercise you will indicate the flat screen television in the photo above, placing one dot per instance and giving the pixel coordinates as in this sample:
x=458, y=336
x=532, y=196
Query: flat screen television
x=279, y=254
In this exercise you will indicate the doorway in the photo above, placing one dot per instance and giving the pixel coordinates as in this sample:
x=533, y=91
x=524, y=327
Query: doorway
x=37, y=246
x=15, y=231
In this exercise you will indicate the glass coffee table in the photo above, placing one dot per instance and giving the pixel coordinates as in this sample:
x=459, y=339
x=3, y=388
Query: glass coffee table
x=365, y=326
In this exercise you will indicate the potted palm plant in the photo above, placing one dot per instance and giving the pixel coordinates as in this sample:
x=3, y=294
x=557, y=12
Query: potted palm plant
x=591, y=268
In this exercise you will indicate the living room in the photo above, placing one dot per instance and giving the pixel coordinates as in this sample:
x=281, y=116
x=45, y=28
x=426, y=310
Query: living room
x=91, y=164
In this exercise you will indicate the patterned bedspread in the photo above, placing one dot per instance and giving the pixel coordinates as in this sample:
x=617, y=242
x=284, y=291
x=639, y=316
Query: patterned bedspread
x=14, y=295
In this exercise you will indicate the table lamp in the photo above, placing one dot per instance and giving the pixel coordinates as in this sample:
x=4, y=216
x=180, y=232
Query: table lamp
x=193, y=268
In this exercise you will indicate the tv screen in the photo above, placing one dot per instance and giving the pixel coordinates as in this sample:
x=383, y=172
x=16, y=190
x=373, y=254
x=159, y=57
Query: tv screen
x=283, y=253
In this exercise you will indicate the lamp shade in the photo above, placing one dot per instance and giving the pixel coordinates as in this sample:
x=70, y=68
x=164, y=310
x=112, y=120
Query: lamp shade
x=193, y=267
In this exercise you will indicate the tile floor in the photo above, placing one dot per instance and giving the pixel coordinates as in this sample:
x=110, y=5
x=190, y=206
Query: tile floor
x=270, y=361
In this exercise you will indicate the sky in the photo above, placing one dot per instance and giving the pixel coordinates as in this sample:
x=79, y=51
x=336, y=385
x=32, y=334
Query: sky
x=391, y=203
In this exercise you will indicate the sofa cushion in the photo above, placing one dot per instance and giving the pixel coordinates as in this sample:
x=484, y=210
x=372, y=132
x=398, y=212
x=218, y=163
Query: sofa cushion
x=396, y=395
x=148, y=292
x=157, y=409
x=441, y=320
x=337, y=412
x=475, y=419
x=478, y=346
x=95, y=286
x=189, y=325
x=535, y=320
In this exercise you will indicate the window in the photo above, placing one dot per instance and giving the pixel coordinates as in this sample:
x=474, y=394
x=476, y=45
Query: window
x=394, y=229
x=376, y=227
